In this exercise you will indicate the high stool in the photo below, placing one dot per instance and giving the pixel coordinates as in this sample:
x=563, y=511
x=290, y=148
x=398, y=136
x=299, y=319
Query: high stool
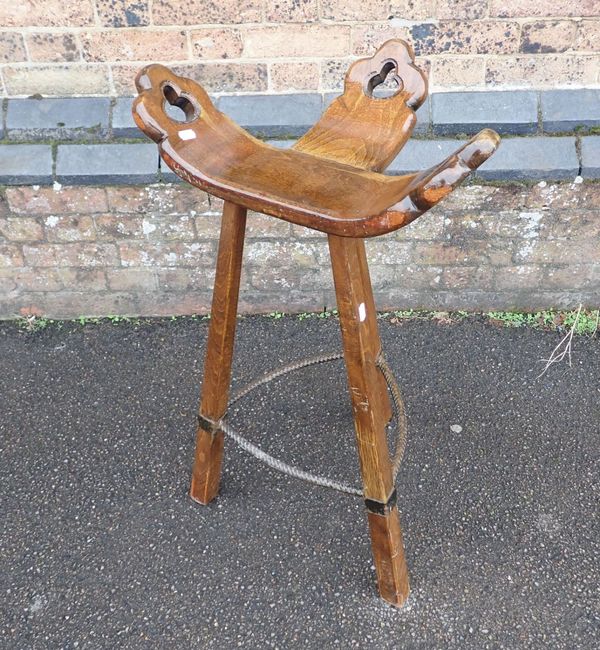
x=330, y=180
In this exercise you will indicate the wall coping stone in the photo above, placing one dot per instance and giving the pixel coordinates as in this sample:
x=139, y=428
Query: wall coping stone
x=59, y=118
x=590, y=155
x=513, y=112
x=522, y=158
x=26, y=164
x=570, y=110
x=99, y=164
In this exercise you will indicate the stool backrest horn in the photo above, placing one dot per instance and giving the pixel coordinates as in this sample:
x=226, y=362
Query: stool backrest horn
x=361, y=129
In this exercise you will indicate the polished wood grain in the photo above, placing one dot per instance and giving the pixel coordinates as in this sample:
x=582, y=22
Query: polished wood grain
x=365, y=131
x=219, y=353
x=370, y=405
x=326, y=182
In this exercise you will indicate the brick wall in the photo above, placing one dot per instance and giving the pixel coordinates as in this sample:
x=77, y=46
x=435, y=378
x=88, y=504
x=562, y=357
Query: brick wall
x=94, y=47
x=150, y=250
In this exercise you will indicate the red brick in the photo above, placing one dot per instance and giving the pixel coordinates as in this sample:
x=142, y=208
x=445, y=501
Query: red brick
x=71, y=254
x=69, y=228
x=159, y=199
x=20, y=229
x=567, y=196
x=407, y=276
x=132, y=279
x=169, y=228
x=134, y=45
x=389, y=251
x=172, y=304
x=584, y=224
x=264, y=254
x=557, y=251
x=118, y=226
x=426, y=227
x=10, y=255
x=12, y=48
x=49, y=13
x=30, y=279
x=573, y=276
x=480, y=278
x=517, y=277
x=263, y=226
x=462, y=253
x=191, y=279
x=52, y=47
x=183, y=12
x=208, y=226
x=138, y=254
x=82, y=279
x=46, y=200
x=72, y=304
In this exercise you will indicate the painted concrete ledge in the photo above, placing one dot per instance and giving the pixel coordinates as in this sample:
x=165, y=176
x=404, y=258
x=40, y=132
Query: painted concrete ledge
x=525, y=158
x=514, y=112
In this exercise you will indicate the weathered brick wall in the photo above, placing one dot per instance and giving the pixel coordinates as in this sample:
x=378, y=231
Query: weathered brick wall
x=94, y=47
x=151, y=250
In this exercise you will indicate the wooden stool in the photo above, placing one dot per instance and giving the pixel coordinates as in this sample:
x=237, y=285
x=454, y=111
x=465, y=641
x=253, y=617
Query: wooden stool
x=329, y=180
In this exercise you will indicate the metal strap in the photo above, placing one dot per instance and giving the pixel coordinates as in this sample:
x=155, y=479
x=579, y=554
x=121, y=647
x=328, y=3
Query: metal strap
x=399, y=416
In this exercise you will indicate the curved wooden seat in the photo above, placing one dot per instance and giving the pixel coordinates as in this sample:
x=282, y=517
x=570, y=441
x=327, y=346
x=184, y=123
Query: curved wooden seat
x=329, y=180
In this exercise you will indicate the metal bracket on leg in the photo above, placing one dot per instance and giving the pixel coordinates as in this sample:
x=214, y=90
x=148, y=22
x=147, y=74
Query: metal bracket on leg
x=378, y=508
x=208, y=425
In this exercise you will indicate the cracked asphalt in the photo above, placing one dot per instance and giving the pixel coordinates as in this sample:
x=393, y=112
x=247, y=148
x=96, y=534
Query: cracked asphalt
x=100, y=546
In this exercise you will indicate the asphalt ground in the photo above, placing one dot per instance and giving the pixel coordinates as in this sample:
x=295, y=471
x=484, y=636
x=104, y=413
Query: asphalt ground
x=100, y=546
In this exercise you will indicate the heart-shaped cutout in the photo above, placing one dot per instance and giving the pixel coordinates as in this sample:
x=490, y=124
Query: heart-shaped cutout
x=178, y=107
x=385, y=83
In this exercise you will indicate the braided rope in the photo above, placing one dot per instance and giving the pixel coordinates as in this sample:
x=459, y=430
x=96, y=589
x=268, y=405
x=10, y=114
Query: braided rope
x=295, y=472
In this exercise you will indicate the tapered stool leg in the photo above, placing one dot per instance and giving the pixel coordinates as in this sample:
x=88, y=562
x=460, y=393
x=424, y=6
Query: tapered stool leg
x=219, y=352
x=370, y=404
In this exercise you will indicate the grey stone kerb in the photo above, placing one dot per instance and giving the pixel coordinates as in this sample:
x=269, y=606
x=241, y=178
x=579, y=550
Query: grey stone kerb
x=445, y=120
x=515, y=112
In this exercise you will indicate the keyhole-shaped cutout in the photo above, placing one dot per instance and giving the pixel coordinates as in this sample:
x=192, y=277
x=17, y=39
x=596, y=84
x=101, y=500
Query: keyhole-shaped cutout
x=385, y=83
x=178, y=107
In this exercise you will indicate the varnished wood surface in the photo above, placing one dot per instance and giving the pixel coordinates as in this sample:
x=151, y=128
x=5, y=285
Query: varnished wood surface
x=219, y=353
x=370, y=406
x=364, y=131
x=325, y=182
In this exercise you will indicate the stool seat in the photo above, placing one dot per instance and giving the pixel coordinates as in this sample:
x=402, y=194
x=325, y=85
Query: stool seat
x=325, y=181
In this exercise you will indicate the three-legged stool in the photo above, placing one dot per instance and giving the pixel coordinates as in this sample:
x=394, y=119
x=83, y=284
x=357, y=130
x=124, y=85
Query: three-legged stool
x=329, y=180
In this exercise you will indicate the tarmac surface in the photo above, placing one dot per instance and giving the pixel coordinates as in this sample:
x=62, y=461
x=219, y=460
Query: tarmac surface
x=100, y=546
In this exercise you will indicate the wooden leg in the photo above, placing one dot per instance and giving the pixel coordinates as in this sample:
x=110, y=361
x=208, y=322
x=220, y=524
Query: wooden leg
x=370, y=404
x=219, y=352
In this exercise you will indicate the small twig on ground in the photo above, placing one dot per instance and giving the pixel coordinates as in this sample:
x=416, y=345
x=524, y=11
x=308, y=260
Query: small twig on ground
x=563, y=349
